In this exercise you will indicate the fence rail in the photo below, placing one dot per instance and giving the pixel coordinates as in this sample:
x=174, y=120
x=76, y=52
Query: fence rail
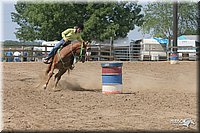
x=134, y=52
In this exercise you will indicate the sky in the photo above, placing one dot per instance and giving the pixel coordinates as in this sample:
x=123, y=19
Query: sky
x=8, y=27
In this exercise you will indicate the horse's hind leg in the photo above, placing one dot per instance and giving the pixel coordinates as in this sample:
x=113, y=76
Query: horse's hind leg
x=58, y=77
x=48, y=69
x=50, y=74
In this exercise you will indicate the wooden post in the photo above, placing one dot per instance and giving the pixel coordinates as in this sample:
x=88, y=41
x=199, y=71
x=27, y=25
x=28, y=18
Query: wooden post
x=129, y=51
x=111, y=48
x=22, y=54
x=168, y=49
x=32, y=58
x=46, y=50
x=99, y=52
x=149, y=52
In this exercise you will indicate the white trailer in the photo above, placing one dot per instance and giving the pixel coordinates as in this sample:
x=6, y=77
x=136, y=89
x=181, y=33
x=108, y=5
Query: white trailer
x=152, y=49
x=187, y=49
x=45, y=43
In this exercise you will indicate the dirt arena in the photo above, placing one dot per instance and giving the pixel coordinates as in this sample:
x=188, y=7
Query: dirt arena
x=156, y=96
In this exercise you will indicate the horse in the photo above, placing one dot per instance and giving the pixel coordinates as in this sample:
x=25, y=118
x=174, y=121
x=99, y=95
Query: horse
x=63, y=60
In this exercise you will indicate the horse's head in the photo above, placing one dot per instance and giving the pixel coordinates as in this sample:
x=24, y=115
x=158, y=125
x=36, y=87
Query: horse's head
x=81, y=52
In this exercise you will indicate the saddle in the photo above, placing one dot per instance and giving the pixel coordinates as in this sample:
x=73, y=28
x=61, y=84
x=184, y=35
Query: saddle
x=58, y=52
x=60, y=48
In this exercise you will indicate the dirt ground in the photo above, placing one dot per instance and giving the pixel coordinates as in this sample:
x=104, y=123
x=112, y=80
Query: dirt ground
x=157, y=96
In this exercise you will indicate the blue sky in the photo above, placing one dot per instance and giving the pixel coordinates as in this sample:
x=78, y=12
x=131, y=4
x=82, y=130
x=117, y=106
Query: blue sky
x=8, y=27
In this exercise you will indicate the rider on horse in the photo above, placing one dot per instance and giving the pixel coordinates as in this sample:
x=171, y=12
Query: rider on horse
x=68, y=36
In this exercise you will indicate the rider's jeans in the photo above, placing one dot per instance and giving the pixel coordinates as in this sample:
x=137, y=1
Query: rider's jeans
x=55, y=48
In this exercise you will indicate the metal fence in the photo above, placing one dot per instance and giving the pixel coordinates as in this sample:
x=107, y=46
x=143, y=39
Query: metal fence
x=133, y=52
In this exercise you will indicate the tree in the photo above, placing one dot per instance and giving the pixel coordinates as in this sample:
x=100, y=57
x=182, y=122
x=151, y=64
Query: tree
x=46, y=21
x=158, y=19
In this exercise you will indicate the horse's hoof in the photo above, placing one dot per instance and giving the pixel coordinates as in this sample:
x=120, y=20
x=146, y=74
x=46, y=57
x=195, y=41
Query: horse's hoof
x=55, y=90
x=44, y=87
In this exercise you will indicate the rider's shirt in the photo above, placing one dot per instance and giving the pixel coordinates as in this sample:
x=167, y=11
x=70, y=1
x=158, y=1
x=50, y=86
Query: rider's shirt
x=70, y=35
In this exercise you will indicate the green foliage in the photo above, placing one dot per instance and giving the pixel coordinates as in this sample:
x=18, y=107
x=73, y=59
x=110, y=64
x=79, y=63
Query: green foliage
x=46, y=21
x=158, y=19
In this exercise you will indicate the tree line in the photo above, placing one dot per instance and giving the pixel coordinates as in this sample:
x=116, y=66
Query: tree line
x=46, y=21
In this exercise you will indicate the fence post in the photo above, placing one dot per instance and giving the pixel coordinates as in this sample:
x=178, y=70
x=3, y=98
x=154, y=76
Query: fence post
x=149, y=52
x=32, y=54
x=99, y=52
x=111, y=48
x=22, y=54
x=45, y=50
x=130, y=52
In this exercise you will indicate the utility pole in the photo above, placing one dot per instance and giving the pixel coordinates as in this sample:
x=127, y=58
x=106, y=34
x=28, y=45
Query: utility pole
x=175, y=26
x=174, y=55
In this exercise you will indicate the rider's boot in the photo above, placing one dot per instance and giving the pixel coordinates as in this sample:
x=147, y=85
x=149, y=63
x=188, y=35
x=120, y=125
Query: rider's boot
x=50, y=56
x=47, y=60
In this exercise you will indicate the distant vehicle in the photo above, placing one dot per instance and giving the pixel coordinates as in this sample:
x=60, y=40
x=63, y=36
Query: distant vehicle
x=153, y=49
x=49, y=43
x=187, y=49
x=46, y=43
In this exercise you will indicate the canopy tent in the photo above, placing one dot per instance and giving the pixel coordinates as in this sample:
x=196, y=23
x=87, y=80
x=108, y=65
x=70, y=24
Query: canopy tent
x=161, y=40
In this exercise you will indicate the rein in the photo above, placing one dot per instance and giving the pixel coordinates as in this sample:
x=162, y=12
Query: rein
x=81, y=52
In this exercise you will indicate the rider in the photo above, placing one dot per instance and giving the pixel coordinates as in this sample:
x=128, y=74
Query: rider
x=67, y=37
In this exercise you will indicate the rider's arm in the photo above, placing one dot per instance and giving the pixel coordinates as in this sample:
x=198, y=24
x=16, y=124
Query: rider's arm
x=80, y=38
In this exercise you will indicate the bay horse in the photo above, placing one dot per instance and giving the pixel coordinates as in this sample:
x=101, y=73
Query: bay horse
x=63, y=60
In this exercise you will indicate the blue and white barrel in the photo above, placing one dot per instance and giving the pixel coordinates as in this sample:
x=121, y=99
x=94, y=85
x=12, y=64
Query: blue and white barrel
x=173, y=58
x=112, y=78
